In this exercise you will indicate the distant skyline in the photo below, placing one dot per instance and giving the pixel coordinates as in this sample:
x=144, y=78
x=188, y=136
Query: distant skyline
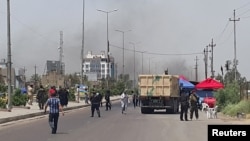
x=171, y=33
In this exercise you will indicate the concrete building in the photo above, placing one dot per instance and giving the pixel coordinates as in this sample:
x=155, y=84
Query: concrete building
x=96, y=66
x=3, y=75
x=54, y=76
x=55, y=66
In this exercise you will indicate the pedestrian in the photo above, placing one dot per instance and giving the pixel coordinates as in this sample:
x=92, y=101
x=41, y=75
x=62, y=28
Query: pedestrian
x=86, y=99
x=193, y=101
x=124, y=102
x=134, y=99
x=95, y=104
x=184, y=106
x=108, y=102
x=30, y=94
x=101, y=97
x=41, y=97
x=55, y=107
x=139, y=101
x=77, y=94
x=52, y=90
x=63, y=96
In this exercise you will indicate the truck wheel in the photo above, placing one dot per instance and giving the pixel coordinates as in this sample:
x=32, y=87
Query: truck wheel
x=143, y=110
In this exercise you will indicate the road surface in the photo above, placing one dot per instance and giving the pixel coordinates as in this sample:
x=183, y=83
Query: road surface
x=77, y=125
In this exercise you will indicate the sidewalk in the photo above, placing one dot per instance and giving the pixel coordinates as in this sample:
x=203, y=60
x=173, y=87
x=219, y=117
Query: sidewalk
x=29, y=111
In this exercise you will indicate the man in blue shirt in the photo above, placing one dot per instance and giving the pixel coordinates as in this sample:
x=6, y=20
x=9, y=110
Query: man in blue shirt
x=55, y=107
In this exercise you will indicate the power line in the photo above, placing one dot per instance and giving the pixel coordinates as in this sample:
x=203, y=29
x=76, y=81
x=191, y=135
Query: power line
x=243, y=6
x=154, y=53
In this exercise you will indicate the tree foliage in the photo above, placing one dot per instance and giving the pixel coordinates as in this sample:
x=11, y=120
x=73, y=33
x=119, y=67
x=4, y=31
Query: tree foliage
x=228, y=95
x=35, y=78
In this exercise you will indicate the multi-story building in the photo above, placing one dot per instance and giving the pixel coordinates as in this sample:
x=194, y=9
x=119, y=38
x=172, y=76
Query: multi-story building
x=97, y=66
x=55, y=66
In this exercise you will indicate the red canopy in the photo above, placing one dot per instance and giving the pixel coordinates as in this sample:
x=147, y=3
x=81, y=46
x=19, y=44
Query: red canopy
x=183, y=77
x=209, y=83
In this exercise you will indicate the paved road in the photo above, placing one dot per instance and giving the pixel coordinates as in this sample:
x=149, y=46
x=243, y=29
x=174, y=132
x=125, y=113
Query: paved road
x=77, y=125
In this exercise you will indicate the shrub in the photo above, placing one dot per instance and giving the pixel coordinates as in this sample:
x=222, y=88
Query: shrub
x=3, y=103
x=242, y=107
x=228, y=95
x=71, y=94
x=19, y=99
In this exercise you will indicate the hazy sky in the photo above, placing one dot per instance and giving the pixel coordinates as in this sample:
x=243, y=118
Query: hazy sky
x=172, y=32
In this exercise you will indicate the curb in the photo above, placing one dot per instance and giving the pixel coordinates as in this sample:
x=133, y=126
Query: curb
x=10, y=119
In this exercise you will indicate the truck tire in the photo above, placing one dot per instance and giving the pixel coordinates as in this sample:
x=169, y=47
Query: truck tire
x=143, y=110
x=146, y=110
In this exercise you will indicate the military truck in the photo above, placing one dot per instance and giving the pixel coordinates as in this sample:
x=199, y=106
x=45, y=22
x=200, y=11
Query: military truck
x=159, y=92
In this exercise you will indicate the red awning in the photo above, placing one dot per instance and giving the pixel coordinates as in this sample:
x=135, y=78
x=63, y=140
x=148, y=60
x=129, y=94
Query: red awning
x=209, y=83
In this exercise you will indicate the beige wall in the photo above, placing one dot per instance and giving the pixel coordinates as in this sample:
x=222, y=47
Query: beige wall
x=53, y=79
x=3, y=74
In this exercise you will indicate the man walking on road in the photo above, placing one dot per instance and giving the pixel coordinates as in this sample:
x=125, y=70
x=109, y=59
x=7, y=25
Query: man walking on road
x=41, y=97
x=30, y=94
x=107, y=98
x=55, y=107
x=95, y=104
x=124, y=102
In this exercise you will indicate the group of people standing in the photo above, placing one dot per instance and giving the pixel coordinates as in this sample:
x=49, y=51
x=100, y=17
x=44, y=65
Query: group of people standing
x=43, y=95
x=189, y=101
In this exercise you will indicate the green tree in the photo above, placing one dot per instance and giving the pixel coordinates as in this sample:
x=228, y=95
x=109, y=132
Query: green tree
x=35, y=78
x=73, y=78
x=230, y=77
x=229, y=95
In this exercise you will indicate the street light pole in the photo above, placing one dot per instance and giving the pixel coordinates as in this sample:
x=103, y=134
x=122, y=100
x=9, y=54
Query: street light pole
x=134, y=61
x=122, y=49
x=108, y=66
x=134, y=58
x=82, y=50
x=9, y=58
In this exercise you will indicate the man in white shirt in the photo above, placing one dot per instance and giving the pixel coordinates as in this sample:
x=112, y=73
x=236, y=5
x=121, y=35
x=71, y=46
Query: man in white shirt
x=124, y=102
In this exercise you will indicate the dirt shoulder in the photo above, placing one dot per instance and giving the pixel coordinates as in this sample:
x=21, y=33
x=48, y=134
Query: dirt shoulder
x=234, y=120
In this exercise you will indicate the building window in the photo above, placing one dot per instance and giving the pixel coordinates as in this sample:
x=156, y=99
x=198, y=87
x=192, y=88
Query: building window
x=103, y=65
x=87, y=66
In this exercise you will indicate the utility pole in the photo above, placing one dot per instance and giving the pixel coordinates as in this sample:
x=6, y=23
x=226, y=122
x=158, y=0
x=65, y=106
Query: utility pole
x=123, y=32
x=235, y=59
x=108, y=52
x=212, y=45
x=82, y=51
x=196, y=69
x=35, y=78
x=24, y=76
x=134, y=62
x=61, y=53
x=9, y=63
x=205, y=60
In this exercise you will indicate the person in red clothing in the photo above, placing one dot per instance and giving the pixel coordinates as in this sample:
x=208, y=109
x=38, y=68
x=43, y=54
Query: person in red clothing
x=52, y=90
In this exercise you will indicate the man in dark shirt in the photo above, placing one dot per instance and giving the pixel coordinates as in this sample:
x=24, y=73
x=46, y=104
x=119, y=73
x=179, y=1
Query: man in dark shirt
x=184, y=106
x=193, y=100
x=95, y=104
x=55, y=108
x=107, y=98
